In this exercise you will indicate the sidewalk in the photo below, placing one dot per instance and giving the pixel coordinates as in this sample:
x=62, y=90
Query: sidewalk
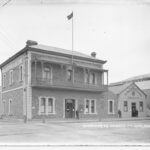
x=125, y=119
x=12, y=120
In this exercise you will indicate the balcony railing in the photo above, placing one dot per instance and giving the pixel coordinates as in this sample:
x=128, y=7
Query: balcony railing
x=41, y=82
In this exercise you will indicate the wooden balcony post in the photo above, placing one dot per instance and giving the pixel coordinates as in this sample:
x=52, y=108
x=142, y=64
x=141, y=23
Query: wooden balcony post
x=73, y=74
x=102, y=78
x=107, y=78
x=42, y=66
x=35, y=67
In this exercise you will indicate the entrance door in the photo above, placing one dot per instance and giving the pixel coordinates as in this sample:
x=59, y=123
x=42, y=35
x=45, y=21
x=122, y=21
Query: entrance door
x=69, y=108
x=134, y=111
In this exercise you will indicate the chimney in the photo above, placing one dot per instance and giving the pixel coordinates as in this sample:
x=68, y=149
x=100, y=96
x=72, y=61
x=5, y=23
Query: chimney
x=93, y=54
x=30, y=43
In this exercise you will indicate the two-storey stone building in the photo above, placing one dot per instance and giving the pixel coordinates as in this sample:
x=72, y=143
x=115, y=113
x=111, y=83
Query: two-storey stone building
x=42, y=80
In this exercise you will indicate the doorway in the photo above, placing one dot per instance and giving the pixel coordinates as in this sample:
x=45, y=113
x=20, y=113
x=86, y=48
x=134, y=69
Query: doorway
x=134, y=110
x=69, y=108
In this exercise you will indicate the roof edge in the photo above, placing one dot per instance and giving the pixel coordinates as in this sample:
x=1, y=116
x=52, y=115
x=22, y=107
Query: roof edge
x=25, y=49
x=28, y=48
x=66, y=55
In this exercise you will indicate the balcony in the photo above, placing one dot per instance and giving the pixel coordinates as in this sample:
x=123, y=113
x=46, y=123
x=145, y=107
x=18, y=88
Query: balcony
x=70, y=85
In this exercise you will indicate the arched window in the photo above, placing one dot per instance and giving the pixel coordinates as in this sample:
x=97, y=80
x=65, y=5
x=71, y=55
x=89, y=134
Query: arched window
x=20, y=73
x=11, y=77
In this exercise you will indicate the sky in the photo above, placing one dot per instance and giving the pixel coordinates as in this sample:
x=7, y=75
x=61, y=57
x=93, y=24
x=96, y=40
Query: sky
x=118, y=30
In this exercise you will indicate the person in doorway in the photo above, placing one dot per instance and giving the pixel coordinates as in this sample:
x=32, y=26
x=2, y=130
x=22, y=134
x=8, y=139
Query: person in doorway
x=77, y=114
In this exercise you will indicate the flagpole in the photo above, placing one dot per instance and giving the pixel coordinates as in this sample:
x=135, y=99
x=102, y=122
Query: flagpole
x=72, y=38
x=70, y=16
x=72, y=49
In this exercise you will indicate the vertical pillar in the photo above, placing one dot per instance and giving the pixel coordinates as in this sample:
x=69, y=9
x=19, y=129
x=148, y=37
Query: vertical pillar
x=107, y=78
x=42, y=66
x=46, y=106
x=24, y=85
x=35, y=68
x=73, y=73
x=84, y=73
x=102, y=78
x=29, y=90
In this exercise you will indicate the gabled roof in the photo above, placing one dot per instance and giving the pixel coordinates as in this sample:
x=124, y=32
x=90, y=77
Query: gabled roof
x=117, y=89
x=143, y=84
x=136, y=78
x=54, y=51
x=141, y=78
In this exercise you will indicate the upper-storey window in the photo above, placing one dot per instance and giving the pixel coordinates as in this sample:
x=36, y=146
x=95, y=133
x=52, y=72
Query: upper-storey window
x=4, y=80
x=92, y=78
x=69, y=74
x=47, y=73
x=10, y=77
x=86, y=76
x=20, y=73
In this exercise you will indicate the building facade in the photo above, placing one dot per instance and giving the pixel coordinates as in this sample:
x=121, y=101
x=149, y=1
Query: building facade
x=42, y=80
x=130, y=100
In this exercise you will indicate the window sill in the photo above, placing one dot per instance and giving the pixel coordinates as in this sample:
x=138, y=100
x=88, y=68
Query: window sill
x=53, y=113
x=109, y=113
x=90, y=113
x=91, y=83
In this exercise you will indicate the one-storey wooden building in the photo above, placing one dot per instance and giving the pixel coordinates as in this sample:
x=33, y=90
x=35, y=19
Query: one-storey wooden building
x=130, y=100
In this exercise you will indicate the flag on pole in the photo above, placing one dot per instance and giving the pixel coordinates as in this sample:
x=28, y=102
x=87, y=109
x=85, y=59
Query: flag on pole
x=70, y=16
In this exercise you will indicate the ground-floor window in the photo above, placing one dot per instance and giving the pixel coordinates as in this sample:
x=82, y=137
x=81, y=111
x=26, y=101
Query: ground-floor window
x=10, y=107
x=43, y=105
x=4, y=107
x=90, y=106
x=110, y=106
x=50, y=105
x=125, y=106
x=141, y=106
x=46, y=105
